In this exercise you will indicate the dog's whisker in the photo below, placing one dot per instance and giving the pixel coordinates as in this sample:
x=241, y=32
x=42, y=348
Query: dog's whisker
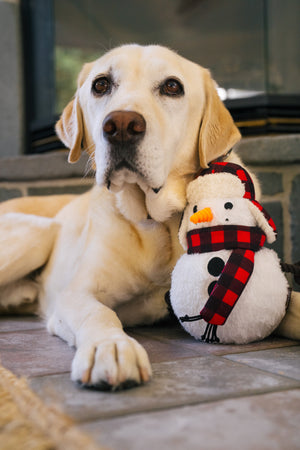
x=89, y=168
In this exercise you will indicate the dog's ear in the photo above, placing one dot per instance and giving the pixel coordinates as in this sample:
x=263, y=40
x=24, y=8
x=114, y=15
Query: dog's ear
x=70, y=128
x=218, y=133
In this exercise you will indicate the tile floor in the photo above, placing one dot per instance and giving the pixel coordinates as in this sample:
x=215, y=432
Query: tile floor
x=202, y=396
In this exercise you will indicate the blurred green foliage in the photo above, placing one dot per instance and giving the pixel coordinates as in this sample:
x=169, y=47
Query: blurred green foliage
x=68, y=63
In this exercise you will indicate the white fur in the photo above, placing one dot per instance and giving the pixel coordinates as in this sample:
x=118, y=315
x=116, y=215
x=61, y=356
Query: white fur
x=19, y=255
x=166, y=156
x=171, y=123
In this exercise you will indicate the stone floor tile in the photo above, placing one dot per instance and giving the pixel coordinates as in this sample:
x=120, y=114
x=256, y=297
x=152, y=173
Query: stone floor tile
x=175, y=383
x=263, y=422
x=268, y=343
x=175, y=335
x=166, y=349
x=169, y=329
x=281, y=361
x=34, y=352
x=20, y=323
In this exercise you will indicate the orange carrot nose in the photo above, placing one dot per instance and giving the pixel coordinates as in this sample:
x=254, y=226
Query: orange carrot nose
x=205, y=215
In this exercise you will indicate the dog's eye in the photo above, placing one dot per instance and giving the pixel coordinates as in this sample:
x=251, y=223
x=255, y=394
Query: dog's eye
x=228, y=205
x=101, y=86
x=172, y=87
x=195, y=209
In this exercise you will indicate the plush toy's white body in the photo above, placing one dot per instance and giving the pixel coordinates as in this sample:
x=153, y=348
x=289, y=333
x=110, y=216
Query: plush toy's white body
x=259, y=310
x=262, y=304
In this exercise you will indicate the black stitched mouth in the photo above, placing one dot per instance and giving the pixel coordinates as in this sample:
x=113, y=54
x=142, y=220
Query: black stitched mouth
x=156, y=190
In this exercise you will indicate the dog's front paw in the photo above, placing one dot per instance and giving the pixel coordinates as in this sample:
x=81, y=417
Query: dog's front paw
x=110, y=364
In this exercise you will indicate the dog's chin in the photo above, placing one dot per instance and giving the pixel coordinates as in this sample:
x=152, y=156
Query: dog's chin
x=119, y=178
x=116, y=179
x=138, y=199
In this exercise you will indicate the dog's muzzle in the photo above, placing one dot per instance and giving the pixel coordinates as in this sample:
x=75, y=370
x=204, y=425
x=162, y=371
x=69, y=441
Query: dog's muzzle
x=124, y=130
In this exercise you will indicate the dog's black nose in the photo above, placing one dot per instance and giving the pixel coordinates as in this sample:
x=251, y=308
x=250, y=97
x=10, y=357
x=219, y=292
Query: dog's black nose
x=124, y=127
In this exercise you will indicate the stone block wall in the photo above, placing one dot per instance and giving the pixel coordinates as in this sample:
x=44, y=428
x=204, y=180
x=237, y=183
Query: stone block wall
x=43, y=175
x=275, y=160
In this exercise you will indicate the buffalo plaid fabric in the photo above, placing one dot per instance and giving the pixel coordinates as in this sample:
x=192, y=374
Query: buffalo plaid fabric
x=244, y=242
x=228, y=237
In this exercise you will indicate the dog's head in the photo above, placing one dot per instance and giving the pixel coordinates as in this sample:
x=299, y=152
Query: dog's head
x=150, y=119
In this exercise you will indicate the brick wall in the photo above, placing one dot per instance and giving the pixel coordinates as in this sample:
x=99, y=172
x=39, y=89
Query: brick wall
x=275, y=160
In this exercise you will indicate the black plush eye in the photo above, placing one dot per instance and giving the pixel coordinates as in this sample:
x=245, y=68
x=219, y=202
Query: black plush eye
x=195, y=209
x=102, y=85
x=171, y=87
x=228, y=205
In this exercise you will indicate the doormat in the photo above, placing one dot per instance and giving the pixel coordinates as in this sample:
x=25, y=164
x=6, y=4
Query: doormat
x=26, y=423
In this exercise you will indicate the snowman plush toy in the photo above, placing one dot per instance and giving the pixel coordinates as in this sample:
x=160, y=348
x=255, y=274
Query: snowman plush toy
x=227, y=287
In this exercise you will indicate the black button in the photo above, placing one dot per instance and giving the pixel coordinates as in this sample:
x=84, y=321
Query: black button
x=215, y=266
x=211, y=286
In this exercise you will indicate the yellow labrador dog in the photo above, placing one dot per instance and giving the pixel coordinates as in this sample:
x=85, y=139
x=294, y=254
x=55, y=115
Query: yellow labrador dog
x=149, y=119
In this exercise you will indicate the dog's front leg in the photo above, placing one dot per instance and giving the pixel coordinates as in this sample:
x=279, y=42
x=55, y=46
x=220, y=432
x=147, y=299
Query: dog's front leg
x=106, y=357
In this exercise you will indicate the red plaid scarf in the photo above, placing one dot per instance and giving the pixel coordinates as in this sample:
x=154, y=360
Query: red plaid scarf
x=244, y=241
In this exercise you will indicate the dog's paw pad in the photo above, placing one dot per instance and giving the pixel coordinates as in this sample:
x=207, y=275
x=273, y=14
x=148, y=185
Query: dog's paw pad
x=104, y=386
x=101, y=386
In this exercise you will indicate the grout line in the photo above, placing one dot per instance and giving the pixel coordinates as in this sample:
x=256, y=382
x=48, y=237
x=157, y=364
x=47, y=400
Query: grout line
x=61, y=182
x=196, y=402
x=265, y=370
x=48, y=374
x=287, y=219
x=21, y=330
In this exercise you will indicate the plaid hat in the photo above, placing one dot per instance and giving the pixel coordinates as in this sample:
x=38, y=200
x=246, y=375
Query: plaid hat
x=243, y=189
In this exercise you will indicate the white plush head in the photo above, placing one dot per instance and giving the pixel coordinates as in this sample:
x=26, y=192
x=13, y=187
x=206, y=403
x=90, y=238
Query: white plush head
x=224, y=198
